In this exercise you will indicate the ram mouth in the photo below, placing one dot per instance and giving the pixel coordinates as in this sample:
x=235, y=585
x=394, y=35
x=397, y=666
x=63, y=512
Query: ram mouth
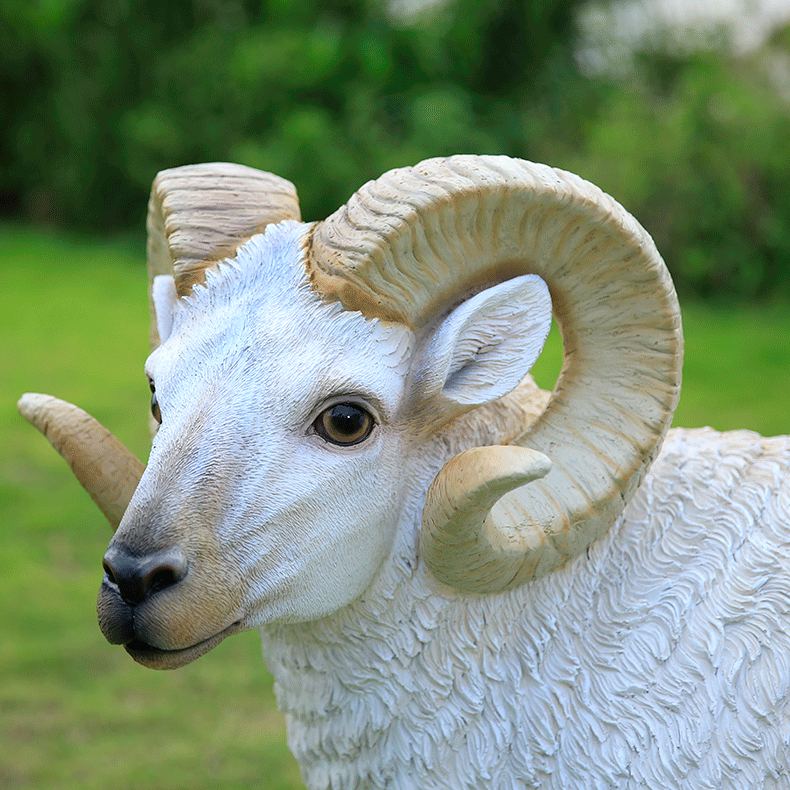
x=158, y=658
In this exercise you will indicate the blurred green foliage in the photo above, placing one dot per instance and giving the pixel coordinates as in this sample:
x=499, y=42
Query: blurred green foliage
x=698, y=148
x=99, y=95
x=96, y=96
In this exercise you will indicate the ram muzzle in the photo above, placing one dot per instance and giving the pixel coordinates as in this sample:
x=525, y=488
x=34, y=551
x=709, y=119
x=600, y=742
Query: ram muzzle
x=145, y=606
x=169, y=592
x=166, y=595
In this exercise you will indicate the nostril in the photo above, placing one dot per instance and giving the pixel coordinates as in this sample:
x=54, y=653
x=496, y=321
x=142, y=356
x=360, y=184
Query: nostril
x=160, y=580
x=108, y=572
x=140, y=577
x=163, y=576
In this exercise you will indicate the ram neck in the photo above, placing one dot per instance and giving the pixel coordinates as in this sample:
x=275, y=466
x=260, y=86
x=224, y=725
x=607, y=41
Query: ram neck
x=410, y=684
x=355, y=687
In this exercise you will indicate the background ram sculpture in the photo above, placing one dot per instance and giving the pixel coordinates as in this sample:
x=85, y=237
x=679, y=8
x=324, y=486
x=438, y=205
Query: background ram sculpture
x=459, y=580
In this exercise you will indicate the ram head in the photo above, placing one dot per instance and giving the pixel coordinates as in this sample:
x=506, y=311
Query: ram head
x=325, y=395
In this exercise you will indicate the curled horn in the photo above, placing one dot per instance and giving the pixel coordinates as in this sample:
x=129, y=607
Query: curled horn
x=414, y=243
x=197, y=215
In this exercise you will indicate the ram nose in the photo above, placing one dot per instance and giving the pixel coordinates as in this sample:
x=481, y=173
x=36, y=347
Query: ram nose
x=139, y=577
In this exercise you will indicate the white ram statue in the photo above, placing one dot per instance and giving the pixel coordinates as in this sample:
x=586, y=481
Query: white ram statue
x=460, y=581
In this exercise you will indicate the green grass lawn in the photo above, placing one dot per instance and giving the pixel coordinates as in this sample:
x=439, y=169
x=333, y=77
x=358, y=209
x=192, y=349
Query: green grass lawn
x=76, y=712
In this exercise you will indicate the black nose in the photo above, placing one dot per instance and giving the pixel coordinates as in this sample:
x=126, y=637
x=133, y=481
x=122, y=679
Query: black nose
x=138, y=577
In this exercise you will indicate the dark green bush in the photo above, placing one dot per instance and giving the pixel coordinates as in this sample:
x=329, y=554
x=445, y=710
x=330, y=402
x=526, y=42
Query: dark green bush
x=702, y=157
x=98, y=95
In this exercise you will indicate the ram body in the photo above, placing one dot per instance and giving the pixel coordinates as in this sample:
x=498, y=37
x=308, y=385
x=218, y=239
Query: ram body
x=460, y=581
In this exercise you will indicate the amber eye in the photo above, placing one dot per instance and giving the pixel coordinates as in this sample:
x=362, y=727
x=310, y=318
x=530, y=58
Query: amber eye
x=155, y=403
x=344, y=424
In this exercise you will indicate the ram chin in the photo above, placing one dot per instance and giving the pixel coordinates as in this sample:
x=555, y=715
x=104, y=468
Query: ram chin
x=157, y=658
x=131, y=627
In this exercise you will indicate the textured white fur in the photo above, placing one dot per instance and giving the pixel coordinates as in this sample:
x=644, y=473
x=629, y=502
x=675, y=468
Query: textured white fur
x=660, y=658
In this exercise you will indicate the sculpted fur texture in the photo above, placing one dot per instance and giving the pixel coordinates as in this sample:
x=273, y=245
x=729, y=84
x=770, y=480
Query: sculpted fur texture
x=460, y=581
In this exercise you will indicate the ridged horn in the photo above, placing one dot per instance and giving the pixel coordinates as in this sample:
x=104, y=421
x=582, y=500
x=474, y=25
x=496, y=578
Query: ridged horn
x=201, y=214
x=412, y=244
x=461, y=510
x=107, y=470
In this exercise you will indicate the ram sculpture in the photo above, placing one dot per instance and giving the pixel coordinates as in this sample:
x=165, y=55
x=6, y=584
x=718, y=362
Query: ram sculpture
x=460, y=581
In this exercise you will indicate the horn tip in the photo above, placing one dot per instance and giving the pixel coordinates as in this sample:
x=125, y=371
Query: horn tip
x=30, y=405
x=509, y=463
x=532, y=464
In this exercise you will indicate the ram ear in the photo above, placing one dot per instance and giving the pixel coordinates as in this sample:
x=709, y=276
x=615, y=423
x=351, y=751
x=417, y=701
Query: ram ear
x=485, y=347
x=163, y=300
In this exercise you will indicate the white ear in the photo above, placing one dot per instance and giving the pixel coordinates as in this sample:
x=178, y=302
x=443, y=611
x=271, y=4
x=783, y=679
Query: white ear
x=486, y=346
x=164, y=297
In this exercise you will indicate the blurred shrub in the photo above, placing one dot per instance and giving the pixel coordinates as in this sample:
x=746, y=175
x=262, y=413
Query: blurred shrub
x=96, y=96
x=698, y=148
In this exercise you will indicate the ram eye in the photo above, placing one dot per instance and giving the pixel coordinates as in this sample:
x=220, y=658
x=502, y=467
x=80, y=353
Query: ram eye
x=155, y=403
x=344, y=424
